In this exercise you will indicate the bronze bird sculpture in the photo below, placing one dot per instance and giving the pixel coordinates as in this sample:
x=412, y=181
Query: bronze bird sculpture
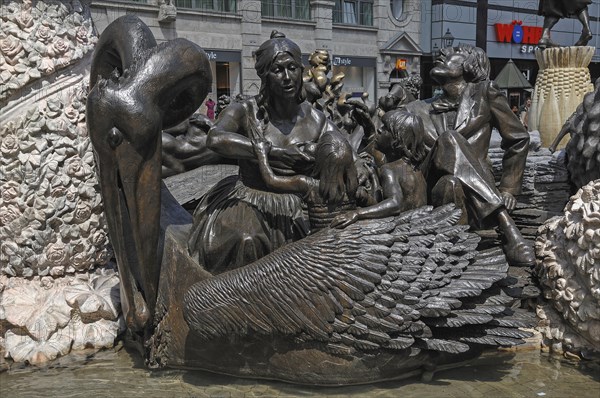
x=380, y=299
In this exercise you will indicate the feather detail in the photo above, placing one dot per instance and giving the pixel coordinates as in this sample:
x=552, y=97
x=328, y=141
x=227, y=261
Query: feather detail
x=416, y=279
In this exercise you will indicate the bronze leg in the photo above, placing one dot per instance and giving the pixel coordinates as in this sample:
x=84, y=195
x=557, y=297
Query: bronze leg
x=545, y=40
x=586, y=32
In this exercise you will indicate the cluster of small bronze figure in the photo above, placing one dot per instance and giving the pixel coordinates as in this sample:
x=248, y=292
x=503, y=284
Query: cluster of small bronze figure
x=362, y=161
x=323, y=247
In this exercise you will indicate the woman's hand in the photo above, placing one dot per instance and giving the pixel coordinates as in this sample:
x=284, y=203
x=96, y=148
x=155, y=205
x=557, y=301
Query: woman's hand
x=343, y=220
x=291, y=155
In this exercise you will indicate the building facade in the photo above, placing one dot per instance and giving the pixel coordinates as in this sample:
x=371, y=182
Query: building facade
x=506, y=29
x=369, y=40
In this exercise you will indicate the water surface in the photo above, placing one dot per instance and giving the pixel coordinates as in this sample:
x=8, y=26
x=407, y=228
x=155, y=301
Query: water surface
x=121, y=374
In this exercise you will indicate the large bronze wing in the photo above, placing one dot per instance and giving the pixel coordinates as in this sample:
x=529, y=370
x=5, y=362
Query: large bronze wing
x=411, y=281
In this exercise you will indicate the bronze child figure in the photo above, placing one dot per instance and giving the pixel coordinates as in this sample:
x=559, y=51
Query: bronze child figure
x=332, y=187
x=399, y=150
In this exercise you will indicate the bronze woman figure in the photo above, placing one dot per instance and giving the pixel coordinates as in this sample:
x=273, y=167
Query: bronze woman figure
x=241, y=219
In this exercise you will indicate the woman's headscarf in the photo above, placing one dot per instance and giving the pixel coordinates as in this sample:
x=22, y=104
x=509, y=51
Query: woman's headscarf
x=265, y=55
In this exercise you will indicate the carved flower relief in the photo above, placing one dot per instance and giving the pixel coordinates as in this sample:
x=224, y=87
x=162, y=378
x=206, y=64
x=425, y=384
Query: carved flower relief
x=9, y=214
x=81, y=35
x=22, y=348
x=41, y=310
x=71, y=195
x=10, y=254
x=95, y=298
x=44, y=34
x=82, y=212
x=568, y=249
x=82, y=260
x=74, y=167
x=99, y=334
x=9, y=146
x=52, y=108
x=73, y=115
x=11, y=48
x=60, y=126
x=98, y=238
x=10, y=191
x=25, y=20
x=55, y=254
x=27, y=4
x=46, y=66
x=58, y=191
x=58, y=47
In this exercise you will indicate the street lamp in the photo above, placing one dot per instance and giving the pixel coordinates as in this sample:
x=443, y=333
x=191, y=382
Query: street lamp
x=448, y=39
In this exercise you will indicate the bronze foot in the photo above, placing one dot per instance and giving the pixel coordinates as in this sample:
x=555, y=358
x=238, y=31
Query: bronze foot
x=585, y=37
x=546, y=42
x=519, y=254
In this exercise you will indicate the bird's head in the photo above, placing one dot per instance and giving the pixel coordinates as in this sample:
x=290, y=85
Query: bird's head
x=162, y=86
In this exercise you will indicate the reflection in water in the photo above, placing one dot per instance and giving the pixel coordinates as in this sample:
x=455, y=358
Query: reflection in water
x=122, y=374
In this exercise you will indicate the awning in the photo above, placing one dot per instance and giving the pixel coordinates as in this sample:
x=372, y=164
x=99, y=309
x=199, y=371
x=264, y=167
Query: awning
x=511, y=77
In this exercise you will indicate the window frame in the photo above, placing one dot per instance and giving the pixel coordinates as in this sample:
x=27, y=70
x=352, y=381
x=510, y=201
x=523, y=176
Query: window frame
x=294, y=7
x=196, y=5
x=359, y=16
x=400, y=17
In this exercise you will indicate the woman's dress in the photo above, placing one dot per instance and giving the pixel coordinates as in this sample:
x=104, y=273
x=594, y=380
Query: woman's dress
x=239, y=221
x=562, y=8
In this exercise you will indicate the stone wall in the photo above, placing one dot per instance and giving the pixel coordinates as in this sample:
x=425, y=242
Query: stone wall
x=57, y=290
x=546, y=187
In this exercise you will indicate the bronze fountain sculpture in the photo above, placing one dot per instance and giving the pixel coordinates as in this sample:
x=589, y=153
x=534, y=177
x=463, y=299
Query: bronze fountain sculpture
x=383, y=298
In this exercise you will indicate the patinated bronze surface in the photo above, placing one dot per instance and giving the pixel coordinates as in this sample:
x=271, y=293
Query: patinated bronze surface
x=138, y=88
x=554, y=10
x=383, y=298
x=583, y=149
x=458, y=126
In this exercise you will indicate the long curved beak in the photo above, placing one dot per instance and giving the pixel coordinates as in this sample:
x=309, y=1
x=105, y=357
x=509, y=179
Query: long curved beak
x=130, y=184
x=160, y=86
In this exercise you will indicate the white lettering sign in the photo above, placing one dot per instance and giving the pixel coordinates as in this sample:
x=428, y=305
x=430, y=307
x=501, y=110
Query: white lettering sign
x=528, y=49
x=337, y=61
x=212, y=56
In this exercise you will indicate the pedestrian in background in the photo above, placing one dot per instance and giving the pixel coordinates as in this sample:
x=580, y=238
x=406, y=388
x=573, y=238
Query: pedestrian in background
x=210, y=108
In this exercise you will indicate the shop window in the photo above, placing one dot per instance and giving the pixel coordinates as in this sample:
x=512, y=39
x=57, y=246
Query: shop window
x=397, y=7
x=294, y=9
x=213, y=5
x=353, y=12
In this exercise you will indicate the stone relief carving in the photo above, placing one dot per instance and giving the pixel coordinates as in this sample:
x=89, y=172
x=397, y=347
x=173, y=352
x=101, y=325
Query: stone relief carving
x=568, y=266
x=39, y=39
x=46, y=317
x=51, y=220
x=52, y=228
